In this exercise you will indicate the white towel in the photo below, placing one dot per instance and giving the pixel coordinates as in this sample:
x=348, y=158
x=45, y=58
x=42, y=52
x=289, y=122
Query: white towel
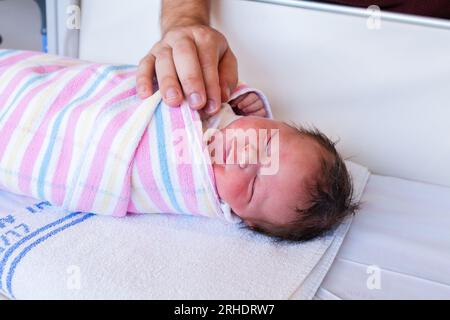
x=51, y=253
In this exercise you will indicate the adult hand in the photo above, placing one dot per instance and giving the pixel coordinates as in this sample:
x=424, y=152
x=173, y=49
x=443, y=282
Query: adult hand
x=190, y=61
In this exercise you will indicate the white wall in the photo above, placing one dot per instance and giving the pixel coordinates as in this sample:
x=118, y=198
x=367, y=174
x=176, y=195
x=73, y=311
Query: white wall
x=384, y=92
x=124, y=38
x=20, y=25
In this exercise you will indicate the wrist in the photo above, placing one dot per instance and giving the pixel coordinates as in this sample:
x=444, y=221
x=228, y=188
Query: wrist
x=183, y=13
x=182, y=23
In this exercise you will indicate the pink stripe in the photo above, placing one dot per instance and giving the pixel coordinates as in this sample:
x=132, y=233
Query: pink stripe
x=65, y=158
x=7, y=130
x=121, y=208
x=144, y=168
x=185, y=176
x=9, y=61
x=65, y=96
x=97, y=167
x=132, y=207
x=15, y=82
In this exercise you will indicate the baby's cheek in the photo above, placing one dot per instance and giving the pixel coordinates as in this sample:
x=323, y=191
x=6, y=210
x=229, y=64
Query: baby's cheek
x=231, y=186
x=223, y=185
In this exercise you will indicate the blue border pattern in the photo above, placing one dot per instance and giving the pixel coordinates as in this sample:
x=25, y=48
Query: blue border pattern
x=19, y=257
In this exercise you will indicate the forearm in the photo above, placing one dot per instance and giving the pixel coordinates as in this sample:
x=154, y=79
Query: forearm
x=179, y=13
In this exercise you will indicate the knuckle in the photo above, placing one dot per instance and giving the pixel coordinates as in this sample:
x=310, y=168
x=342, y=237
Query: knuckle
x=208, y=64
x=163, y=53
x=201, y=30
x=221, y=38
x=175, y=35
x=142, y=81
x=207, y=35
x=212, y=83
x=169, y=80
x=208, y=39
x=156, y=47
x=184, y=46
x=170, y=35
x=142, y=77
x=144, y=61
x=190, y=80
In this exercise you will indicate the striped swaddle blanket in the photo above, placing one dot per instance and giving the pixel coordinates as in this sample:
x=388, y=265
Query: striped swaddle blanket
x=76, y=134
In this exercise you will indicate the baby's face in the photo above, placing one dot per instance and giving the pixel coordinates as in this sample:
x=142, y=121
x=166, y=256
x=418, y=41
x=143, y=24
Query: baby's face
x=259, y=196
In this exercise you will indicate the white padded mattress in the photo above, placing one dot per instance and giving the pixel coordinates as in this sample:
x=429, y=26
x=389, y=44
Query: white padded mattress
x=401, y=235
x=398, y=246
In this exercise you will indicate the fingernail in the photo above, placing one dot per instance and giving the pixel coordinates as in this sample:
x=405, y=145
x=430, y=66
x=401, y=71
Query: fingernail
x=195, y=100
x=171, y=93
x=210, y=107
x=228, y=93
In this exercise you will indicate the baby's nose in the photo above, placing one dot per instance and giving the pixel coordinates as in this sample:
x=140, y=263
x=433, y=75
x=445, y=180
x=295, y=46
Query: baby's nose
x=248, y=156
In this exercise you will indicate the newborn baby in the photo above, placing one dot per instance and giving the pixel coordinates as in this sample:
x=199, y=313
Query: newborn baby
x=284, y=181
x=75, y=134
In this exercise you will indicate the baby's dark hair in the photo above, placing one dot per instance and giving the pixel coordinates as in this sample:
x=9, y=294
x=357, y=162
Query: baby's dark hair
x=330, y=196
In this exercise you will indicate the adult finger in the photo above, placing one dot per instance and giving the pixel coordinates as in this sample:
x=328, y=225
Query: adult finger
x=189, y=72
x=145, y=74
x=209, y=62
x=167, y=77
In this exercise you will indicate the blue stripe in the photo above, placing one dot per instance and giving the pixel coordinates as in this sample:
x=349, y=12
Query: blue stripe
x=33, y=245
x=11, y=250
x=58, y=121
x=80, y=164
x=25, y=86
x=6, y=52
x=163, y=157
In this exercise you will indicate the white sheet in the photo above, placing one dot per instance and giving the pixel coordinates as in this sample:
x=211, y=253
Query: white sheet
x=403, y=229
